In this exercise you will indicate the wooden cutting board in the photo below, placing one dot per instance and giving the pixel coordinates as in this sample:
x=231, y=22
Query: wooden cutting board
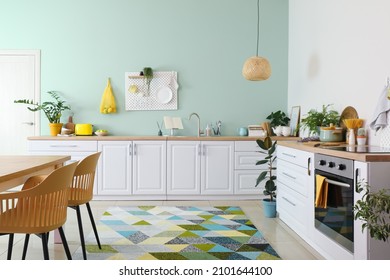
x=323, y=144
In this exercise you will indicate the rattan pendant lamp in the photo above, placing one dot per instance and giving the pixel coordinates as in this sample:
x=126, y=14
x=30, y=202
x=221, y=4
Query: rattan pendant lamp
x=257, y=68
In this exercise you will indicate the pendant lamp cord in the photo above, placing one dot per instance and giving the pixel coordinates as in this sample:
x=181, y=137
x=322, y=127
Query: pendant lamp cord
x=258, y=26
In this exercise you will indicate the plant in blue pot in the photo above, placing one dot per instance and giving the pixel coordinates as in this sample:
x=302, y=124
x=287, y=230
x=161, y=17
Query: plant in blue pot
x=268, y=148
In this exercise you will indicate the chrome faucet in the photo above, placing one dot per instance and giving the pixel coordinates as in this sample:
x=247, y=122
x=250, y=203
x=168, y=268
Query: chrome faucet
x=200, y=132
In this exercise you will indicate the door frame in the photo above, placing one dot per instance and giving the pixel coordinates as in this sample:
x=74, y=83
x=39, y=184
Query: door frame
x=36, y=54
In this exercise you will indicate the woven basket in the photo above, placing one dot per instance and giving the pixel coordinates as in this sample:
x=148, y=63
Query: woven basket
x=256, y=68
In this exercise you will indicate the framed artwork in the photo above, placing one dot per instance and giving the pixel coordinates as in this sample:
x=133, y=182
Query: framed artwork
x=294, y=120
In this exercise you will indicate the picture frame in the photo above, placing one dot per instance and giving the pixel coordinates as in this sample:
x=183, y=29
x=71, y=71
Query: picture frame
x=294, y=120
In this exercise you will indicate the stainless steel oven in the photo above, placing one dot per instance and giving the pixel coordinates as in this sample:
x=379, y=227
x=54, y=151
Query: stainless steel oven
x=334, y=197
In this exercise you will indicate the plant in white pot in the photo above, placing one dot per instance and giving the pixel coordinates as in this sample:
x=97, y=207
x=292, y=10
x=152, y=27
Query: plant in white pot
x=278, y=120
x=52, y=109
x=268, y=175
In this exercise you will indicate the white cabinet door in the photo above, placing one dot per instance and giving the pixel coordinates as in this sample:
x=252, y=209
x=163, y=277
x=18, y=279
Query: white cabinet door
x=183, y=167
x=149, y=167
x=217, y=167
x=115, y=168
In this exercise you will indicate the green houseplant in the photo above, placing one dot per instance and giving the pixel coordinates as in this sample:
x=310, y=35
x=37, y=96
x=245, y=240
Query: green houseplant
x=315, y=119
x=269, y=176
x=374, y=211
x=52, y=110
x=278, y=118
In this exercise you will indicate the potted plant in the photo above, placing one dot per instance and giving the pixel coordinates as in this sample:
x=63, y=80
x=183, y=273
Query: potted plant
x=315, y=119
x=52, y=109
x=361, y=136
x=374, y=211
x=269, y=175
x=148, y=74
x=278, y=120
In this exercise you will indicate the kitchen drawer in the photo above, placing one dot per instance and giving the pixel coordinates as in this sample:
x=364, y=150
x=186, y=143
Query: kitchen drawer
x=247, y=160
x=246, y=146
x=62, y=146
x=292, y=209
x=294, y=156
x=293, y=176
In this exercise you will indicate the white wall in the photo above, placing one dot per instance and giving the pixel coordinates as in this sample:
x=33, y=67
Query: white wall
x=339, y=53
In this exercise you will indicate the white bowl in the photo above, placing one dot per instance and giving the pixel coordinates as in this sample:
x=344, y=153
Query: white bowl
x=101, y=133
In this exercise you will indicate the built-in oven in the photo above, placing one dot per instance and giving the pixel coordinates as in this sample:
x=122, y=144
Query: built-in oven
x=334, y=199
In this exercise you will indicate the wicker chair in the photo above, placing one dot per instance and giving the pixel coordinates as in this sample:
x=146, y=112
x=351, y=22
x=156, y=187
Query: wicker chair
x=38, y=209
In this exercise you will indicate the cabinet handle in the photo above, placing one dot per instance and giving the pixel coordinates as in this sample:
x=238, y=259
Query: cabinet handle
x=63, y=146
x=199, y=150
x=308, y=166
x=289, y=155
x=130, y=150
x=292, y=203
x=356, y=180
x=288, y=175
x=204, y=150
x=135, y=149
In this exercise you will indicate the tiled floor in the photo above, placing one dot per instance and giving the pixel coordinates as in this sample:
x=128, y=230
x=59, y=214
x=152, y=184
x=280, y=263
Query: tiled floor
x=286, y=243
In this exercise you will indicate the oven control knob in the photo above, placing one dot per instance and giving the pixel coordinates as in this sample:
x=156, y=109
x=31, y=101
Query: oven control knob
x=322, y=162
x=341, y=166
x=331, y=164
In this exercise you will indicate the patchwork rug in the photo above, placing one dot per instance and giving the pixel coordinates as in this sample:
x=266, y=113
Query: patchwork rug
x=177, y=233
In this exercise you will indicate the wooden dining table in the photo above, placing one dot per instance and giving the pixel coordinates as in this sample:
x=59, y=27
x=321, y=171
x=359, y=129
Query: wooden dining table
x=16, y=169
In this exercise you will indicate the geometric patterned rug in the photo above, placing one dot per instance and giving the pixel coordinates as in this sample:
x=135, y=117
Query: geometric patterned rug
x=177, y=233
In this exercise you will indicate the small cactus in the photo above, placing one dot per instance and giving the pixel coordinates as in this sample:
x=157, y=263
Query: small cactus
x=361, y=132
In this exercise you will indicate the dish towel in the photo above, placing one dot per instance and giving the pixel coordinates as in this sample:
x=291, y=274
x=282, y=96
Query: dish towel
x=321, y=192
x=380, y=114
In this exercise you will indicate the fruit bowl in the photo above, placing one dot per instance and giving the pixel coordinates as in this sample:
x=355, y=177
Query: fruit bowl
x=101, y=133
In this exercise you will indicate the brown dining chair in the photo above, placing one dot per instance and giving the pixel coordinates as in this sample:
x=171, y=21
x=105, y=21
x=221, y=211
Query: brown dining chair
x=38, y=209
x=81, y=192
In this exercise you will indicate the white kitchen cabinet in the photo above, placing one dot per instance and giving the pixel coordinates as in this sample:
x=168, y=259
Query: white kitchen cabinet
x=77, y=150
x=217, y=167
x=295, y=181
x=246, y=154
x=115, y=168
x=132, y=168
x=149, y=168
x=200, y=167
x=376, y=174
x=183, y=168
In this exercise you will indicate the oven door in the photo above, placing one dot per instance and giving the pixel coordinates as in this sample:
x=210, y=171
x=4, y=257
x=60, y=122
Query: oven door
x=335, y=218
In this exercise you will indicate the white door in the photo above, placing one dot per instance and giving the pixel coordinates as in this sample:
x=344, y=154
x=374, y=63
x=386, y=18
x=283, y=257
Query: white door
x=19, y=79
x=149, y=167
x=217, y=167
x=183, y=167
x=114, y=168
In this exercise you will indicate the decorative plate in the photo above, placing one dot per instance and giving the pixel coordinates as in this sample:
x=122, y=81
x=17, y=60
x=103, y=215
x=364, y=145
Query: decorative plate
x=164, y=95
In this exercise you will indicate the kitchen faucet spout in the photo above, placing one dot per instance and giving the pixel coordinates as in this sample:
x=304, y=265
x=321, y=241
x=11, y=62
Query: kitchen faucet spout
x=196, y=115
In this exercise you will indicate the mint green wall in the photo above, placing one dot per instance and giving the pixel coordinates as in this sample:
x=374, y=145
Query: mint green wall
x=83, y=42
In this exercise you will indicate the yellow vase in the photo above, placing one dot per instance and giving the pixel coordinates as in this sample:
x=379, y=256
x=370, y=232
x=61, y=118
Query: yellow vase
x=55, y=128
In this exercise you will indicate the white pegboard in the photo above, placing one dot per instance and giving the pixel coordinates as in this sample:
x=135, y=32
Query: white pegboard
x=385, y=137
x=162, y=93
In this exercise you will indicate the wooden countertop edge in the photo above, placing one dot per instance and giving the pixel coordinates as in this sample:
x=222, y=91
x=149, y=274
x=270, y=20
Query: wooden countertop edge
x=377, y=157
x=163, y=138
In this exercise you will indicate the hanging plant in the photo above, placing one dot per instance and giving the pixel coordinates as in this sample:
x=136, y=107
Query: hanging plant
x=148, y=74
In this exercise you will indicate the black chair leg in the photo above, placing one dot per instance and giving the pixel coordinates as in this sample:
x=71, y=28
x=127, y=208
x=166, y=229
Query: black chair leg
x=26, y=240
x=93, y=224
x=10, y=245
x=45, y=246
x=79, y=221
x=65, y=243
